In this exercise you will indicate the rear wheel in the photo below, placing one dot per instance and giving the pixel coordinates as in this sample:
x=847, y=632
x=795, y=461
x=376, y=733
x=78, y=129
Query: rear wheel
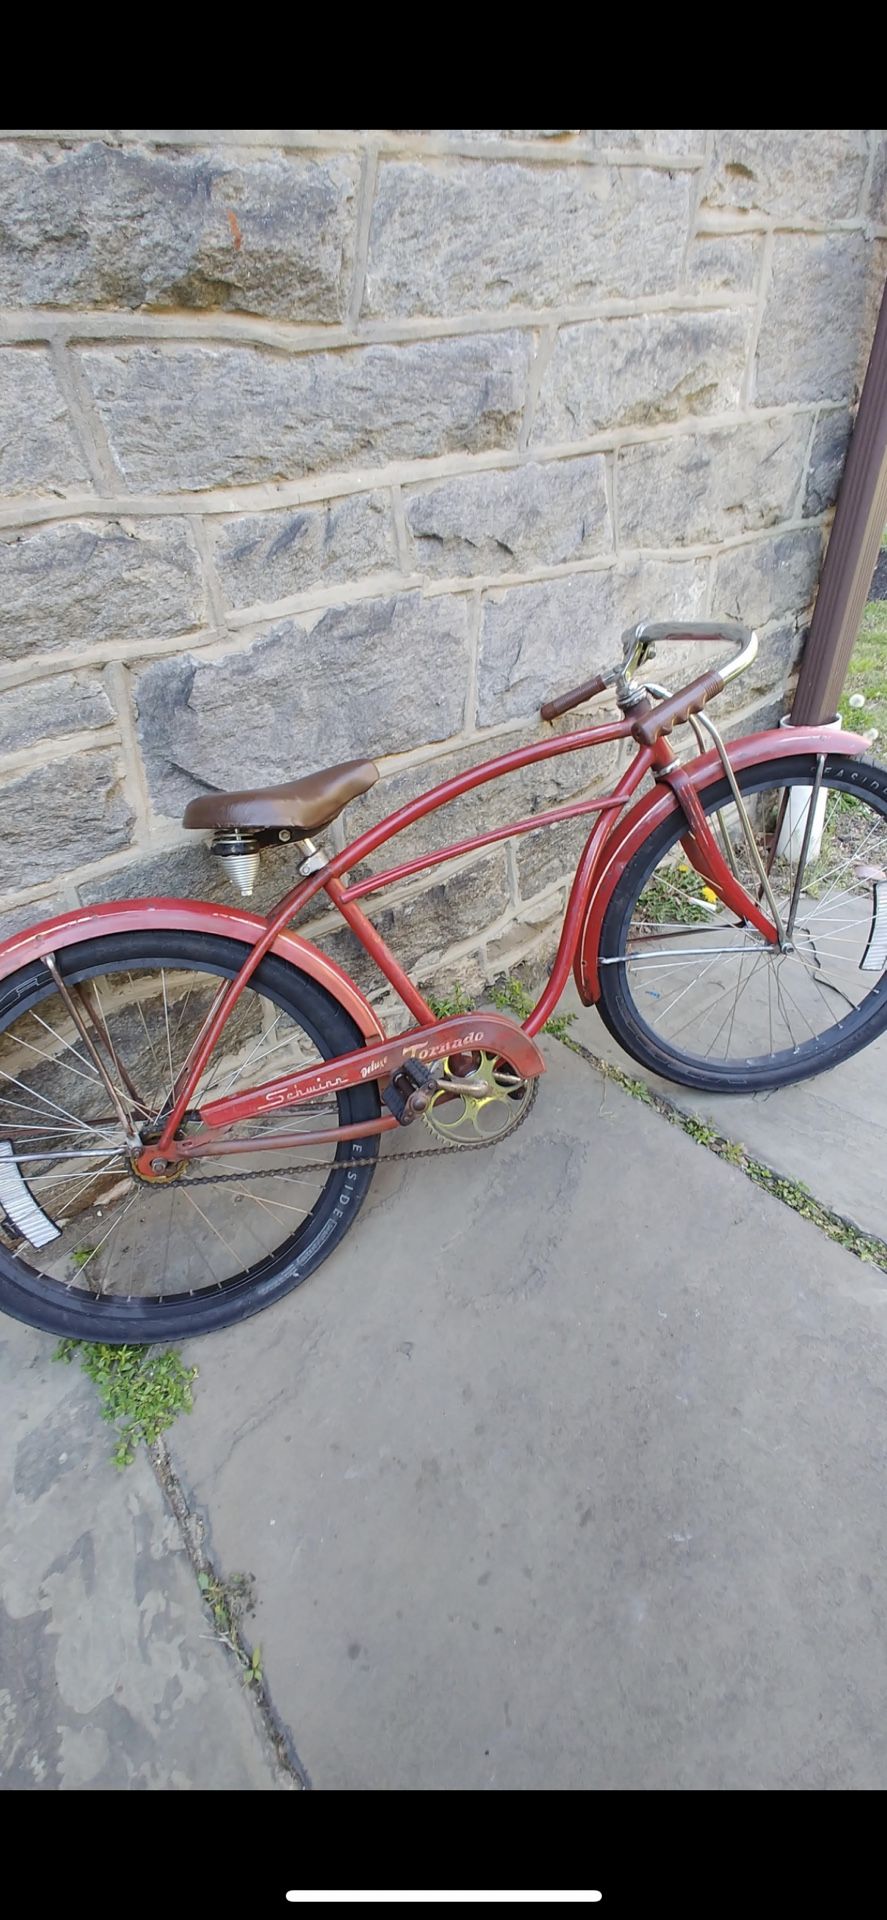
x=87, y=1249
x=703, y=999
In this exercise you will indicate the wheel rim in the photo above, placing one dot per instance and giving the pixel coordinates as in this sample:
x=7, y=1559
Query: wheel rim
x=718, y=995
x=64, y=1158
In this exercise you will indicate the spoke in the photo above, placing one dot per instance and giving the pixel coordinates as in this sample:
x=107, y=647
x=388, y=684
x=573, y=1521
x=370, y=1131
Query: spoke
x=268, y=1204
x=52, y=1105
x=106, y=1237
x=706, y=1011
x=205, y=1218
x=194, y=1048
x=740, y=990
x=53, y=1061
x=71, y=1199
x=66, y=1044
x=52, y=1133
x=683, y=959
x=89, y=1174
x=65, y=1153
x=178, y=1025
x=810, y=989
x=685, y=990
x=172, y=1075
x=242, y=1065
x=153, y=1050
x=799, y=1010
x=77, y=1158
x=782, y=1009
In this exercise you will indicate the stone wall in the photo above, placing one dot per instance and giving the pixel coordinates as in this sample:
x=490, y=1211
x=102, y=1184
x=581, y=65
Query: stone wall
x=315, y=444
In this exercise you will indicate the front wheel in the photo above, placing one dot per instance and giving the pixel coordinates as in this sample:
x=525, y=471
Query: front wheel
x=89, y=1251
x=703, y=999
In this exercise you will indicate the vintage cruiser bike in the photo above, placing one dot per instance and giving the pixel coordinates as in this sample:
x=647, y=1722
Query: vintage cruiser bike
x=193, y=1097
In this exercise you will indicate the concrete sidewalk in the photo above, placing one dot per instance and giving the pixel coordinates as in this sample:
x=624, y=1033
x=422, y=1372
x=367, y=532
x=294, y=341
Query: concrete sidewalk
x=110, y=1677
x=567, y=1472
x=830, y=1133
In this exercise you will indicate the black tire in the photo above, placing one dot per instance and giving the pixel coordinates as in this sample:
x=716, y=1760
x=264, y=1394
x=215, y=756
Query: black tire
x=74, y=1311
x=618, y=1009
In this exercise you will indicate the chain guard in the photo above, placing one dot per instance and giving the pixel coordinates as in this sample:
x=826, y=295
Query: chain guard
x=447, y=1145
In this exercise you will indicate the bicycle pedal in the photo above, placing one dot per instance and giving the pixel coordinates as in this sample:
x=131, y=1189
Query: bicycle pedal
x=398, y=1096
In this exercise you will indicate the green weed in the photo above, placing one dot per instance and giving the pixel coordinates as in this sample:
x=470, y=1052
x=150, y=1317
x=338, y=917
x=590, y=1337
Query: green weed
x=675, y=893
x=512, y=997
x=227, y=1602
x=140, y=1392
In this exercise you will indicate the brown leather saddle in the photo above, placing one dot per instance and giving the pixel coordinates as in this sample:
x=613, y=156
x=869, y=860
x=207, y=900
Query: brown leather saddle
x=302, y=805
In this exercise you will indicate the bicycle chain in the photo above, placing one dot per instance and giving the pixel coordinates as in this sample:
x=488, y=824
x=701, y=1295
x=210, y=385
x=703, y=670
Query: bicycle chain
x=414, y=1153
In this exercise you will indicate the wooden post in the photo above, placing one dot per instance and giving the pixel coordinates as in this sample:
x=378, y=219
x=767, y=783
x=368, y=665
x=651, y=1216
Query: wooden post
x=852, y=550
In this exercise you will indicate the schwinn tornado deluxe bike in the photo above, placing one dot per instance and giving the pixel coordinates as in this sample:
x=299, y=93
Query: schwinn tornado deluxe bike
x=192, y=1096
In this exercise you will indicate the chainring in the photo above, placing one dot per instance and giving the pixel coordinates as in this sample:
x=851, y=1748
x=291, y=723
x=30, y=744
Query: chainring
x=464, y=1119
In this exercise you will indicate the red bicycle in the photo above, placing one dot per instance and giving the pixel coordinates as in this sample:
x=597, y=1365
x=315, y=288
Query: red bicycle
x=730, y=925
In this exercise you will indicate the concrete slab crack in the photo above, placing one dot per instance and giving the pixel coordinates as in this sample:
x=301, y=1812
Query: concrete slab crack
x=233, y=1643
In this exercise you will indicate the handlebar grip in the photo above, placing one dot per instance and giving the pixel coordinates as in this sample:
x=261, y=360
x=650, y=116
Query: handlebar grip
x=553, y=709
x=671, y=713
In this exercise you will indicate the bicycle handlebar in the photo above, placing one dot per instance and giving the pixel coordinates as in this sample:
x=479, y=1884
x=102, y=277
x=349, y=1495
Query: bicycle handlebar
x=562, y=703
x=638, y=644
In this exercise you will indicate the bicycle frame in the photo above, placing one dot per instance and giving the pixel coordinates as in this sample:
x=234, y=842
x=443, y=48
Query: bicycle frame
x=613, y=840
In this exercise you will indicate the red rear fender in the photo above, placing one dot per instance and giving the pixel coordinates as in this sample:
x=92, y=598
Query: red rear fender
x=192, y=916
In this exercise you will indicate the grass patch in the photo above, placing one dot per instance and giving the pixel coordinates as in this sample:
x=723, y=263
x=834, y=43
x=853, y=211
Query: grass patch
x=510, y=996
x=140, y=1392
x=676, y=893
x=867, y=674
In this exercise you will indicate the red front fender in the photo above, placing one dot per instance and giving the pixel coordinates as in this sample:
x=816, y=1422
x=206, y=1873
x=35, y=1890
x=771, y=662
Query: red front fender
x=648, y=814
x=192, y=916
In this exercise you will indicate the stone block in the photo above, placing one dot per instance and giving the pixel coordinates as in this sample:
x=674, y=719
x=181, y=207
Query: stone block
x=471, y=236
x=377, y=677
x=827, y=455
x=546, y=859
x=39, y=452
x=639, y=371
x=671, y=140
x=102, y=226
x=196, y=417
x=61, y=816
x=452, y=908
x=491, y=523
x=191, y=872
x=84, y=583
x=21, y=919
x=814, y=173
x=514, y=796
x=724, y=262
x=770, y=579
x=539, y=640
x=710, y=486
x=48, y=709
x=263, y=557
x=811, y=344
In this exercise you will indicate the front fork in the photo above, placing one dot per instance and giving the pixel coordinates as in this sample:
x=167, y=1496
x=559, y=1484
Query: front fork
x=716, y=866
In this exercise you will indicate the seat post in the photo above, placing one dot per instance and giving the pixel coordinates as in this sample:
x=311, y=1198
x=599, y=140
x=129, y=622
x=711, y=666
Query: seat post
x=314, y=859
